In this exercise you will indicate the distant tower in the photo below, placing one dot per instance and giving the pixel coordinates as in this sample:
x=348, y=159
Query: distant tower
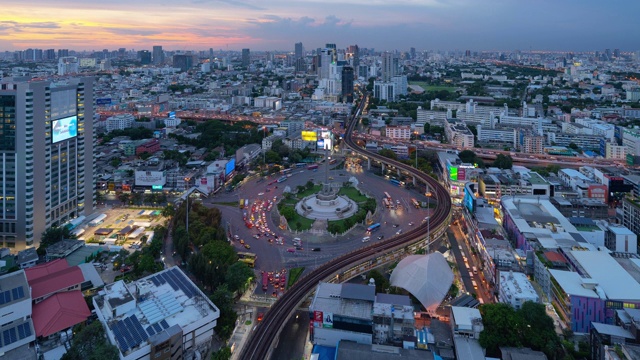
x=299, y=50
x=354, y=53
x=389, y=66
x=158, y=55
x=347, y=84
x=145, y=57
x=246, y=57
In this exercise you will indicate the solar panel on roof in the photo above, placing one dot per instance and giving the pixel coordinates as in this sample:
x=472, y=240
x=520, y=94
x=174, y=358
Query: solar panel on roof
x=164, y=324
x=150, y=330
x=157, y=327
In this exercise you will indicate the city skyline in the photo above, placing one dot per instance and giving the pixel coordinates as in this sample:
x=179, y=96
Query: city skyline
x=277, y=25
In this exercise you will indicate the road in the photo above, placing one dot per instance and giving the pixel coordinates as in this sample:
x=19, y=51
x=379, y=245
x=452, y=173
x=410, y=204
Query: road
x=272, y=257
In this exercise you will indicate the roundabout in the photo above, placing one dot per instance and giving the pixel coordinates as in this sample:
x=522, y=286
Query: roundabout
x=326, y=205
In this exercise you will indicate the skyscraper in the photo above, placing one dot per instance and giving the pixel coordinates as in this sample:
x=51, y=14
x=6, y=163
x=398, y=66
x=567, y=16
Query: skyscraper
x=298, y=50
x=183, y=61
x=145, y=57
x=46, y=148
x=347, y=84
x=389, y=66
x=246, y=57
x=158, y=55
x=353, y=52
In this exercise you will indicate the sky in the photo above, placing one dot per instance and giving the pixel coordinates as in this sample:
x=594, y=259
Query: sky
x=555, y=25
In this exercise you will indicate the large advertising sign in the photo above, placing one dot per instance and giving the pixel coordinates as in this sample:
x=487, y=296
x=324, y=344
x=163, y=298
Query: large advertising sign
x=320, y=144
x=453, y=173
x=229, y=167
x=328, y=320
x=317, y=318
x=150, y=178
x=64, y=129
x=309, y=136
x=103, y=101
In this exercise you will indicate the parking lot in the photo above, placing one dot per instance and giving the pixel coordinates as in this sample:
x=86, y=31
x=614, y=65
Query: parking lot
x=136, y=222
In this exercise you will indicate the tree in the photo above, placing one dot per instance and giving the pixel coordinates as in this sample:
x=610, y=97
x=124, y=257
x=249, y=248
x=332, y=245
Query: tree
x=388, y=153
x=168, y=211
x=309, y=185
x=467, y=156
x=382, y=283
x=237, y=276
x=52, y=235
x=124, y=198
x=288, y=212
x=573, y=146
x=115, y=162
x=223, y=299
x=89, y=342
x=503, y=161
x=222, y=354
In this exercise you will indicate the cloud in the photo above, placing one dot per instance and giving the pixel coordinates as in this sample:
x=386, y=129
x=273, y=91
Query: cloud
x=20, y=26
x=235, y=3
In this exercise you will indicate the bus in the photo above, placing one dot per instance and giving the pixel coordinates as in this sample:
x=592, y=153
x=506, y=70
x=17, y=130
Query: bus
x=373, y=227
x=332, y=161
x=386, y=203
x=386, y=195
x=415, y=203
x=265, y=281
x=300, y=165
x=282, y=179
x=286, y=171
x=395, y=182
x=248, y=258
x=312, y=167
x=241, y=203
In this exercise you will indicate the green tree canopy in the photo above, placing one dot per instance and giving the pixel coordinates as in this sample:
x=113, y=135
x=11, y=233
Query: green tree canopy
x=237, y=276
x=89, y=342
x=467, y=156
x=503, y=161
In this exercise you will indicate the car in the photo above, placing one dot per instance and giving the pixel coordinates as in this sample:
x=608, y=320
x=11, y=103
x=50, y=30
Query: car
x=267, y=190
x=410, y=224
x=260, y=194
x=395, y=225
x=241, y=242
x=299, y=248
x=397, y=201
x=247, y=246
x=330, y=177
x=315, y=249
x=291, y=250
x=399, y=232
x=365, y=239
x=380, y=237
x=260, y=316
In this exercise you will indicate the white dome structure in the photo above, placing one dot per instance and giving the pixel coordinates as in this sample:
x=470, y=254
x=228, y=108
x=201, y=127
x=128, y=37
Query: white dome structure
x=427, y=277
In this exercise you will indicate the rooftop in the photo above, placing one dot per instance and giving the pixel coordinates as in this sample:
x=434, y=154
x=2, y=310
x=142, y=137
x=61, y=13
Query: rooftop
x=328, y=299
x=518, y=285
x=464, y=316
x=51, y=277
x=59, y=312
x=467, y=348
x=351, y=350
x=136, y=311
x=617, y=283
x=13, y=287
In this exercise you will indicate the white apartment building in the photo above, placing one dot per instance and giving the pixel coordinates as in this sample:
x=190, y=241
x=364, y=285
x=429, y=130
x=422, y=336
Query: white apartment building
x=458, y=134
x=498, y=134
x=398, y=132
x=447, y=105
x=16, y=320
x=614, y=151
x=120, y=122
x=384, y=90
x=466, y=322
x=631, y=141
x=268, y=141
x=620, y=239
x=67, y=65
x=516, y=289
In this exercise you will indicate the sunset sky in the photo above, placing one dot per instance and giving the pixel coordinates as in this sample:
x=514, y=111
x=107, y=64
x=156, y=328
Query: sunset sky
x=278, y=24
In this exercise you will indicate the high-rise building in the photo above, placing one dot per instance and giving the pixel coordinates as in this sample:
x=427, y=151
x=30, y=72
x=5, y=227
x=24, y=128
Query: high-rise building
x=158, y=55
x=145, y=57
x=347, y=84
x=67, y=65
x=46, y=150
x=299, y=50
x=246, y=57
x=326, y=63
x=183, y=61
x=389, y=66
x=63, y=53
x=412, y=52
x=353, y=53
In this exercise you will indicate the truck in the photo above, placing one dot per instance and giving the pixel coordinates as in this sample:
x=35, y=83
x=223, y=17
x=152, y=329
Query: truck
x=312, y=167
x=265, y=281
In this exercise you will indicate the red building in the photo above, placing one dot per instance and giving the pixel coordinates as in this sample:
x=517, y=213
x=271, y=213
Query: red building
x=148, y=147
x=58, y=303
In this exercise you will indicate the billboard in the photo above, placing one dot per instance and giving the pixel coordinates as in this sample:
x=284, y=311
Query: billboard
x=309, y=136
x=320, y=144
x=453, y=173
x=172, y=115
x=103, y=101
x=150, y=178
x=317, y=318
x=328, y=139
x=229, y=167
x=64, y=129
x=328, y=320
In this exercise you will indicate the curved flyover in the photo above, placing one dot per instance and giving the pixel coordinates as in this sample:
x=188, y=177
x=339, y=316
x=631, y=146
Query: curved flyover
x=264, y=338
